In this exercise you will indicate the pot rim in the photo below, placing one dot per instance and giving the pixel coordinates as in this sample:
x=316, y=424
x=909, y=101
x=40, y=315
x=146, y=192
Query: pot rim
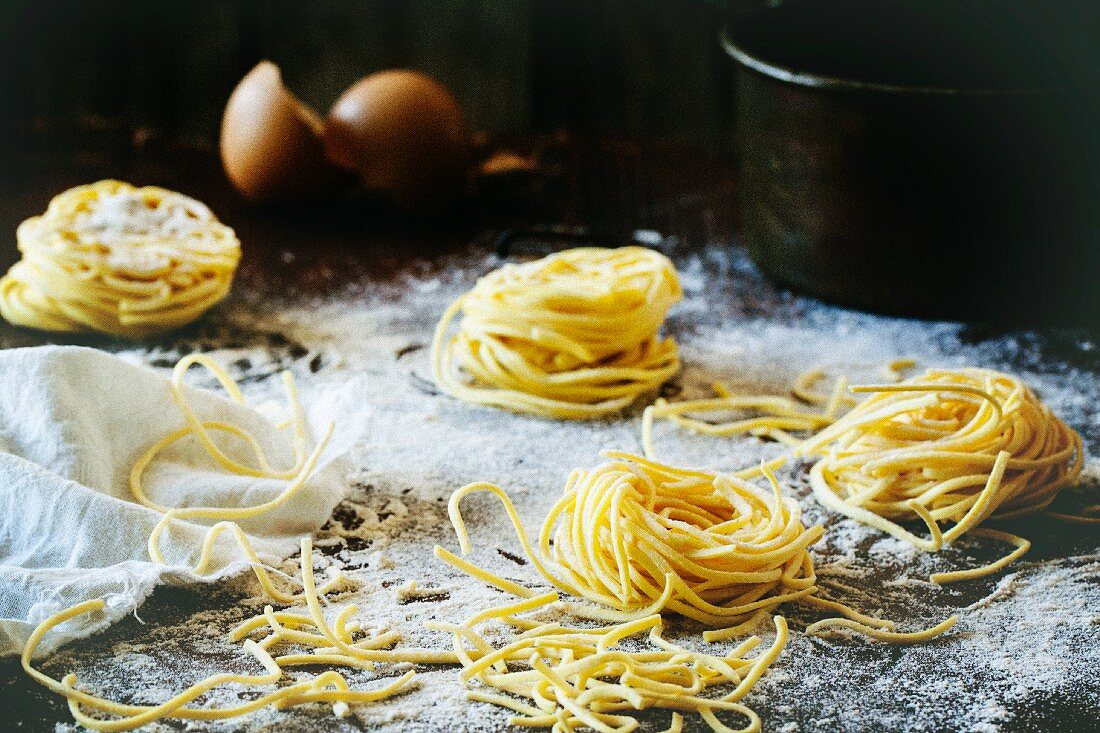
x=811, y=80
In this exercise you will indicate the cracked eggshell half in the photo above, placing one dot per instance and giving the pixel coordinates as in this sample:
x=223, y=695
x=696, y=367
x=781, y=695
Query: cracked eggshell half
x=271, y=143
x=404, y=134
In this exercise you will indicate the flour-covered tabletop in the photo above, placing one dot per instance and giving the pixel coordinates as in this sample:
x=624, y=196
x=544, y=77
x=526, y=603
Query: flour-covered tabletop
x=1023, y=656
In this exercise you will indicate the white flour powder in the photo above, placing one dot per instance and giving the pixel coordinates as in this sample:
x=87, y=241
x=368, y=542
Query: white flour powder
x=1026, y=644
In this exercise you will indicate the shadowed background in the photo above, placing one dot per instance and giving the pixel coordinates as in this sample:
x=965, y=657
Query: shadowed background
x=628, y=80
x=639, y=69
x=643, y=69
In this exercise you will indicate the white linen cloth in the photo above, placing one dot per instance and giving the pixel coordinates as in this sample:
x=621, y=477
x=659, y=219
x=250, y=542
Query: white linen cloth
x=72, y=423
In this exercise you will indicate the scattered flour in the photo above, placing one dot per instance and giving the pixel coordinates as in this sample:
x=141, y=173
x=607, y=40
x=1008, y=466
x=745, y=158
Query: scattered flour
x=1025, y=648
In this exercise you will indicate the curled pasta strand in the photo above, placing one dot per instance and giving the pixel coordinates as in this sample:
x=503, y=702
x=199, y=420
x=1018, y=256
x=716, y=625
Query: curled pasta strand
x=226, y=517
x=573, y=335
x=197, y=428
x=888, y=635
x=1022, y=546
x=963, y=446
x=171, y=261
x=709, y=546
x=138, y=715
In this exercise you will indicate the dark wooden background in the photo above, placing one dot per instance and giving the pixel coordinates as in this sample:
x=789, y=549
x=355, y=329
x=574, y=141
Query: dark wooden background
x=636, y=69
x=598, y=85
x=642, y=69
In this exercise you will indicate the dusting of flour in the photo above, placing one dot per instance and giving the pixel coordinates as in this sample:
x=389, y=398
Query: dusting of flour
x=1026, y=643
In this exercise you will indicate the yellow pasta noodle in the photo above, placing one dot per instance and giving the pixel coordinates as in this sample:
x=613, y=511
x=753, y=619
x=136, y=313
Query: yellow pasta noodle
x=226, y=517
x=332, y=645
x=637, y=538
x=764, y=416
x=959, y=446
x=568, y=678
x=962, y=445
x=573, y=335
x=121, y=260
x=895, y=637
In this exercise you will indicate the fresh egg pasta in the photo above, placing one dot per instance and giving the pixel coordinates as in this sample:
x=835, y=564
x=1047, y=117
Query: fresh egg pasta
x=952, y=445
x=119, y=260
x=636, y=538
x=573, y=335
x=958, y=446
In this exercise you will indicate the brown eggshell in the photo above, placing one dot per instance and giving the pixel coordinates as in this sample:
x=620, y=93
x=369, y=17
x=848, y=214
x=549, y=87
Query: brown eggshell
x=404, y=133
x=271, y=144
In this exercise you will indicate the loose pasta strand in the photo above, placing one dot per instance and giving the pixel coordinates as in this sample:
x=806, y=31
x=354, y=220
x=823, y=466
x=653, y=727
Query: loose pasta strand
x=894, y=637
x=329, y=686
x=562, y=678
x=1022, y=546
x=226, y=518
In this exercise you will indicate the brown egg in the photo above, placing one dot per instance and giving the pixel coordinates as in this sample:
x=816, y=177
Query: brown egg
x=403, y=133
x=271, y=143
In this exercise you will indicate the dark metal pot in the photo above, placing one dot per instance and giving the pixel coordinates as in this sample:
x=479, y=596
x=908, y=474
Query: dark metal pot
x=920, y=159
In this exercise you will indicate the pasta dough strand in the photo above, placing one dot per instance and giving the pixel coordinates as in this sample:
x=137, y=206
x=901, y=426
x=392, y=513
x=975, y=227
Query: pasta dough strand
x=961, y=446
x=227, y=518
x=121, y=260
x=329, y=687
x=572, y=336
x=636, y=538
x=569, y=678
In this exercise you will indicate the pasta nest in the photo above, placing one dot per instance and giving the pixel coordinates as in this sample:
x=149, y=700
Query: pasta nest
x=117, y=259
x=642, y=538
x=573, y=335
x=950, y=445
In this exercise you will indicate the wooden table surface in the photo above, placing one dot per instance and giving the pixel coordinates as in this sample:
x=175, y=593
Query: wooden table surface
x=581, y=192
